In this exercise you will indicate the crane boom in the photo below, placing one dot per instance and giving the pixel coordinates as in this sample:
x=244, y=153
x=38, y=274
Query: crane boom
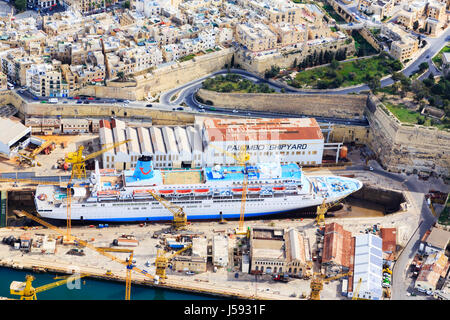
x=84, y=243
x=58, y=283
x=242, y=158
x=78, y=161
x=179, y=217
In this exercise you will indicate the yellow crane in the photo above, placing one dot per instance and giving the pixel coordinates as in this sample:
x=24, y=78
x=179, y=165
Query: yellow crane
x=323, y=208
x=317, y=281
x=356, y=292
x=101, y=251
x=162, y=262
x=242, y=159
x=179, y=221
x=78, y=161
x=31, y=157
x=26, y=291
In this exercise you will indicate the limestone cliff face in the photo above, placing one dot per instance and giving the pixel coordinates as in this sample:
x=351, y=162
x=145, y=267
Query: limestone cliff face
x=407, y=148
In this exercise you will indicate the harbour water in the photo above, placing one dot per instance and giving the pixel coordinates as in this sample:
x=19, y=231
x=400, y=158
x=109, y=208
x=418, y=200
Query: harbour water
x=91, y=289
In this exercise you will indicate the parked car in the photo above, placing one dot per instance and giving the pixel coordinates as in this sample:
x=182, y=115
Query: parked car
x=90, y=98
x=149, y=105
x=180, y=108
x=79, y=101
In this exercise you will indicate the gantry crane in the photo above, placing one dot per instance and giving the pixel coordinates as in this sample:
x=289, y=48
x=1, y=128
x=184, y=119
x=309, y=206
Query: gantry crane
x=242, y=159
x=179, y=221
x=78, y=161
x=322, y=210
x=129, y=263
x=26, y=291
x=162, y=262
x=317, y=281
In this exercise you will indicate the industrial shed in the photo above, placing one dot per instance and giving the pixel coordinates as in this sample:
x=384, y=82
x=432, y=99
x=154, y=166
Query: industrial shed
x=368, y=266
x=15, y=136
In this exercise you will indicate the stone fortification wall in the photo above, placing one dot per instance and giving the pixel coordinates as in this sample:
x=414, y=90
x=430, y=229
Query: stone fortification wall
x=101, y=110
x=340, y=106
x=407, y=148
x=287, y=59
x=163, y=78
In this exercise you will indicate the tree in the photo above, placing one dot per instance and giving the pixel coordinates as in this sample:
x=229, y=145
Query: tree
x=415, y=25
x=126, y=4
x=121, y=76
x=272, y=72
x=374, y=84
x=423, y=66
x=334, y=64
x=20, y=5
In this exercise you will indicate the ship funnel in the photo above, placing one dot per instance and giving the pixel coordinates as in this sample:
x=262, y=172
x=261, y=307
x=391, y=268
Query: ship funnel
x=144, y=168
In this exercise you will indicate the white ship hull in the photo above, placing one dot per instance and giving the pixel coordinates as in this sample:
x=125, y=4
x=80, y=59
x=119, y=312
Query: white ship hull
x=207, y=209
x=209, y=194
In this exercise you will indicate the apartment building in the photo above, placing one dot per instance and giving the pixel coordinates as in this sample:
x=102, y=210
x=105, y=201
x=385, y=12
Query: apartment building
x=288, y=34
x=44, y=80
x=380, y=8
x=256, y=36
x=277, y=11
x=404, y=45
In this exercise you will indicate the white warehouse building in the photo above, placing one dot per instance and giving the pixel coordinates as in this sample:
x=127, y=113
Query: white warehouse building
x=214, y=141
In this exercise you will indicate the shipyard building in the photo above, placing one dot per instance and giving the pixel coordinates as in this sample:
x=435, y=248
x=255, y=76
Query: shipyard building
x=213, y=141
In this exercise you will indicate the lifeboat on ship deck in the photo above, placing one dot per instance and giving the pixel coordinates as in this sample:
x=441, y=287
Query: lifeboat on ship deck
x=165, y=191
x=254, y=189
x=201, y=190
x=184, y=191
x=278, y=188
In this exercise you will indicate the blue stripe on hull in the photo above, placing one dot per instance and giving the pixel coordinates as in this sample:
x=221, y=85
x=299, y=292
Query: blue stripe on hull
x=195, y=217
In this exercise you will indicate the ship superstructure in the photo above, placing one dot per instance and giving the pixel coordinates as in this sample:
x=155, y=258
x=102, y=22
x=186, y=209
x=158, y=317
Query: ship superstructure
x=203, y=193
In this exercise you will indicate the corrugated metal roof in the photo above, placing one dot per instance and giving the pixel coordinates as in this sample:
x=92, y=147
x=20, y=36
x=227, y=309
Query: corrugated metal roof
x=119, y=135
x=133, y=145
x=169, y=140
x=368, y=266
x=145, y=141
x=12, y=131
x=195, y=139
x=105, y=133
x=157, y=140
x=182, y=140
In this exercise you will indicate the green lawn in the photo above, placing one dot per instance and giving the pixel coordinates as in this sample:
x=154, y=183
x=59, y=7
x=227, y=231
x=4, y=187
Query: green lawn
x=186, y=58
x=235, y=83
x=409, y=116
x=351, y=73
x=437, y=59
x=402, y=113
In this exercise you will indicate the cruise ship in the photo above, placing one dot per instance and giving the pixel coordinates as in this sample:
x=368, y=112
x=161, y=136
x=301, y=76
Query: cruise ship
x=205, y=193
